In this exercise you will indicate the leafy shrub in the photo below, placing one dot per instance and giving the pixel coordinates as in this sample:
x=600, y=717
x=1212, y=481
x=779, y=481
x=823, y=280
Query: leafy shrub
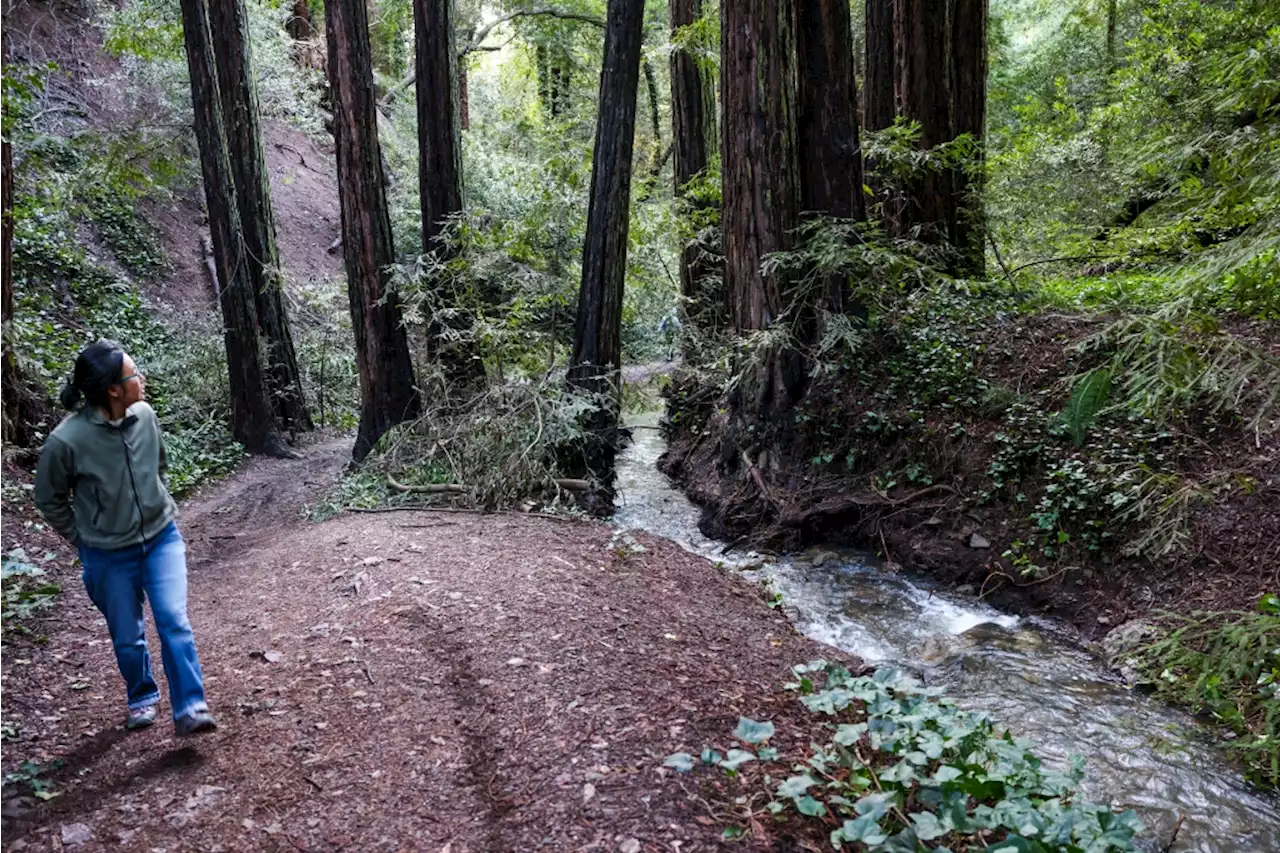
x=1227, y=665
x=24, y=593
x=903, y=770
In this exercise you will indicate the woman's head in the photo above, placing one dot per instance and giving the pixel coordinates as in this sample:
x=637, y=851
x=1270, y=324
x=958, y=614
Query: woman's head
x=106, y=376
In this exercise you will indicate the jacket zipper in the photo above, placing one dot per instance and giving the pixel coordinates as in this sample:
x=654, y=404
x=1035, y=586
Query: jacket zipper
x=137, y=501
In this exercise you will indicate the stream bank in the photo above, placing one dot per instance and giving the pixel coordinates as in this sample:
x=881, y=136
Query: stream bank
x=1028, y=673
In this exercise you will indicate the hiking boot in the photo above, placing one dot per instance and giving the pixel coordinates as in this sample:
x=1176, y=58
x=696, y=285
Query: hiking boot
x=194, y=723
x=140, y=718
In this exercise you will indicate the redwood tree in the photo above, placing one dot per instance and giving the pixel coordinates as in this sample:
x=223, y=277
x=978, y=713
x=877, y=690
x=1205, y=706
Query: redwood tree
x=440, y=162
x=969, y=115
x=388, y=393
x=693, y=133
x=597, y=340
x=878, y=108
x=922, y=35
x=758, y=151
x=230, y=28
x=830, y=159
x=252, y=420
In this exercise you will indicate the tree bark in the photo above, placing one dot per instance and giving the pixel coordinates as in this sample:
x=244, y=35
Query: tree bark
x=239, y=98
x=922, y=35
x=759, y=170
x=757, y=154
x=388, y=392
x=597, y=340
x=969, y=116
x=879, y=107
x=440, y=168
x=252, y=419
x=693, y=132
x=830, y=158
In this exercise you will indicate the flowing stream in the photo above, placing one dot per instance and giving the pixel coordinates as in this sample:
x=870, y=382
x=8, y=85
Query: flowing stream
x=1026, y=674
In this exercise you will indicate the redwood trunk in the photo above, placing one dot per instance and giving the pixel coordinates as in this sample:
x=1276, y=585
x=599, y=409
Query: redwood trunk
x=878, y=93
x=760, y=188
x=830, y=158
x=388, y=393
x=440, y=167
x=758, y=153
x=969, y=114
x=230, y=28
x=597, y=340
x=693, y=131
x=252, y=420
x=924, y=83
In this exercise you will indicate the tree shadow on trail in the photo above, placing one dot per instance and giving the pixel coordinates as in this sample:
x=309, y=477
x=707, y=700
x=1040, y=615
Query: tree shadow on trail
x=87, y=797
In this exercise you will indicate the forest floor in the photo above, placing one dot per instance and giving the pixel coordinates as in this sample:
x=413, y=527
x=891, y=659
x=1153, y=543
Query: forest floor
x=395, y=681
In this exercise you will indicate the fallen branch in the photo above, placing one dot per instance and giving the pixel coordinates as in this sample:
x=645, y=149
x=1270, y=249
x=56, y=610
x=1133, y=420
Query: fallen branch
x=569, y=484
x=460, y=510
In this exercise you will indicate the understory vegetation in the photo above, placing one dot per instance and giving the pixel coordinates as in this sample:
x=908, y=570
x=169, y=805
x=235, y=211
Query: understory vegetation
x=895, y=766
x=1226, y=665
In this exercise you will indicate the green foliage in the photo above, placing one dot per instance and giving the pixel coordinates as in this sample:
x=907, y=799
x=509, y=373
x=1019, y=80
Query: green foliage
x=1228, y=665
x=902, y=769
x=1086, y=402
x=31, y=775
x=25, y=593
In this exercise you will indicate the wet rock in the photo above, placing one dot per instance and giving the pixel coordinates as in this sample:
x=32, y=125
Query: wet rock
x=76, y=833
x=935, y=649
x=823, y=558
x=978, y=541
x=1120, y=644
x=966, y=589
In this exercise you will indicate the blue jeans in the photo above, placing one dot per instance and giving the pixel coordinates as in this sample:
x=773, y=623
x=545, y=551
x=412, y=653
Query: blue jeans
x=117, y=582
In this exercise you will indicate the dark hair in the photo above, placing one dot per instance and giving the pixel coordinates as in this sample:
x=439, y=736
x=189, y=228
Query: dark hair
x=98, y=367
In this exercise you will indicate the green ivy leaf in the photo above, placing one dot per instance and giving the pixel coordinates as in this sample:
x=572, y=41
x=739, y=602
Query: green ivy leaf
x=681, y=761
x=753, y=731
x=736, y=758
x=1270, y=604
x=797, y=786
x=807, y=805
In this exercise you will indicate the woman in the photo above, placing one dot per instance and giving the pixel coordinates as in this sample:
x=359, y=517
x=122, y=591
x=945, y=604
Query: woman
x=100, y=485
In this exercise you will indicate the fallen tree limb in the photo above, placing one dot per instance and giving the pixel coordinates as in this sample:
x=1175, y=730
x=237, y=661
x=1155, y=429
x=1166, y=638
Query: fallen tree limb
x=569, y=484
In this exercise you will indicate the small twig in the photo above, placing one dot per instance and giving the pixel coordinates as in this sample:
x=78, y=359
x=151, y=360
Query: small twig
x=1000, y=260
x=313, y=783
x=1168, y=847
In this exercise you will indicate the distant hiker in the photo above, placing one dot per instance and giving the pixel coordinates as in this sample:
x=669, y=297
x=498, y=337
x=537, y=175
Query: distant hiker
x=100, y=484
x=668, y=328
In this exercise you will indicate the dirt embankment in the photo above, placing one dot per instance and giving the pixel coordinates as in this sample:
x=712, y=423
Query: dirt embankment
x=398, y=681
x=945, y=513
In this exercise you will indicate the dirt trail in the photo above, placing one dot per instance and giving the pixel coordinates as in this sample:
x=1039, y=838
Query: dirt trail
x=404, y=681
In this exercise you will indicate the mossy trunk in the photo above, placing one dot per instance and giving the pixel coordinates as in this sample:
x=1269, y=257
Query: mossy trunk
x=388, y=390
x=597, y=340
x=252, y=418
x=693, y=134
x=440, y=172
x=239, y=97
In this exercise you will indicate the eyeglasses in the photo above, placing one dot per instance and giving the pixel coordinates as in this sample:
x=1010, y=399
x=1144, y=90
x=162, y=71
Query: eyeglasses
x=124, y=379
